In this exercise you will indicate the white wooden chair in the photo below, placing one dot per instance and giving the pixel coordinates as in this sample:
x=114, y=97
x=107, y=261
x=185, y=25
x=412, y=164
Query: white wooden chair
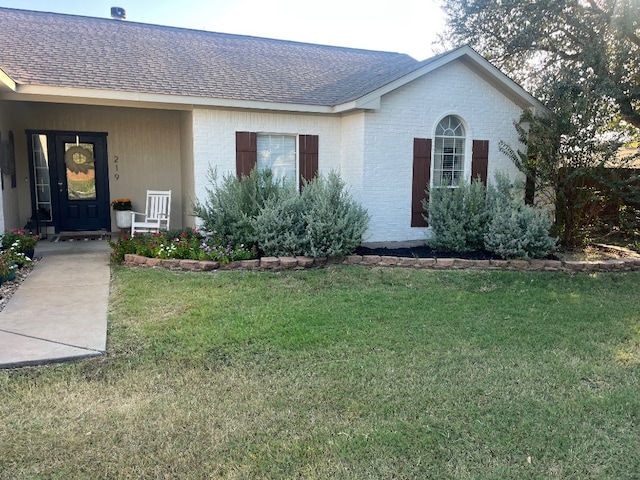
x=157, y=213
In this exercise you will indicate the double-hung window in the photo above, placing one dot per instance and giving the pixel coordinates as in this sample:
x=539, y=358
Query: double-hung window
x=278, y=153
x=291, y=157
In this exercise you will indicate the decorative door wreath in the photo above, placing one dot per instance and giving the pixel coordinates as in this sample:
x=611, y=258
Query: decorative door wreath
x=79, y=159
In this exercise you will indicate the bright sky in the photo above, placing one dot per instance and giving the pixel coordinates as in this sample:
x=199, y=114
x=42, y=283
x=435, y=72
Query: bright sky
x=406, y=26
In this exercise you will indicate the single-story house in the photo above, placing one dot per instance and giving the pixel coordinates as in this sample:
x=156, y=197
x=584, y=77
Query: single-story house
x=95, y=109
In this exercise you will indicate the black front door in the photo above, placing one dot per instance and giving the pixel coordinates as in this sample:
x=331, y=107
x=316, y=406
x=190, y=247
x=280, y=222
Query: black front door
x=82, y=182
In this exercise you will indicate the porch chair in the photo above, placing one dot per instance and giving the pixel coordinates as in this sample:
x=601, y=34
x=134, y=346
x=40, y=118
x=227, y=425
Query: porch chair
x=157, y=214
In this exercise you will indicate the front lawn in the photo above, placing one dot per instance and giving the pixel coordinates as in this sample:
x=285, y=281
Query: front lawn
x=345, y=372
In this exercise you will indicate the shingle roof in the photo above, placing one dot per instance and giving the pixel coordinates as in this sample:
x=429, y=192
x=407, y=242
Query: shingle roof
x=49, y=49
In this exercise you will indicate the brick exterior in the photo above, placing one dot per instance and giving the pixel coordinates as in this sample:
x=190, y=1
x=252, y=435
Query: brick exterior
x=373, y=150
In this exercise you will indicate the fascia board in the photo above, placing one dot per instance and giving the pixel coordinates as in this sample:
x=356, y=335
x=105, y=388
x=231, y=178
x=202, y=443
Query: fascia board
x=6, y=81
x=134, y=99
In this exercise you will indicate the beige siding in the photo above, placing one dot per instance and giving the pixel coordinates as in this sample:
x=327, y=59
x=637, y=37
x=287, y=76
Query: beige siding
x=9, y=198
x=144, y=147
x=188, y=184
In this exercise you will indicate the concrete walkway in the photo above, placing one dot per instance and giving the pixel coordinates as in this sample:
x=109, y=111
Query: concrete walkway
x=59, y=313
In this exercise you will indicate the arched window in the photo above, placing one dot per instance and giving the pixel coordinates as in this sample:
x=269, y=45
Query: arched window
x=448, y=165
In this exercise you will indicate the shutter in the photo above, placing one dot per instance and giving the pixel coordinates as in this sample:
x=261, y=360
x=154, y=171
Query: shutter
x=246, y=153
x=480, y=160
x=530, y=190
x=308, y=157
x=421, y=179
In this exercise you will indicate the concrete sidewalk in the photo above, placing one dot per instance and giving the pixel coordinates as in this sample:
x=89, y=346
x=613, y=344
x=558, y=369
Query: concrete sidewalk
x=59, y=313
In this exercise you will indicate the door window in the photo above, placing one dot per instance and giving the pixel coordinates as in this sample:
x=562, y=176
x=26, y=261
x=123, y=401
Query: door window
x=80, y=170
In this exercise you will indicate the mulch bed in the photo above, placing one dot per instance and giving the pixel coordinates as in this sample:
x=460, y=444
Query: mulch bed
x=425, y=252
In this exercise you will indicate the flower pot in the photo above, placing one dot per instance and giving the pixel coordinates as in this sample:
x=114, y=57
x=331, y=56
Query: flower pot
x=123, y=218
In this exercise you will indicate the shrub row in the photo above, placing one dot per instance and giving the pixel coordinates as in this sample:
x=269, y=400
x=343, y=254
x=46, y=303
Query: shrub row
x=321, y=220
x=496, y=219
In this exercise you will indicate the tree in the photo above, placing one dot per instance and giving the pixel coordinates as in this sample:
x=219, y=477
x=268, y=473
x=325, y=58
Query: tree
x=596, y=39
x=582, y=59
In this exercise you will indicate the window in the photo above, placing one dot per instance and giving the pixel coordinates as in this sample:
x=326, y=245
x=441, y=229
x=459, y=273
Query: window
x=448, y=160
x=289, y=156
x=40, y=159
x=449, y=155
x=277, y=152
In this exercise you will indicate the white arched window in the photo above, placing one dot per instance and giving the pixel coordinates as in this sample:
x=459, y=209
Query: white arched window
x=449, y=156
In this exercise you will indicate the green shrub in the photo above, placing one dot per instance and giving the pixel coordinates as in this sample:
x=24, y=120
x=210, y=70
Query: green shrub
x=279, y=226
x=515, y=230
x=230, y=205
x=458, y=217
x=323, y=220
x=496, y=219
x=334, y=221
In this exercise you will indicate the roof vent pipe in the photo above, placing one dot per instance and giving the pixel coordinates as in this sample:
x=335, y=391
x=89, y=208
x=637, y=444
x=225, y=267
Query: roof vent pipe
x=118, y=13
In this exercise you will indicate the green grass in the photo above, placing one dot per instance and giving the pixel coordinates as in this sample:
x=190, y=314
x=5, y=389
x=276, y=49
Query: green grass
x=342, y=373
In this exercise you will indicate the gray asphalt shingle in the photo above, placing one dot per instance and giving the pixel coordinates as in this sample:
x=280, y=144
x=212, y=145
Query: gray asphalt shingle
x=38, y=48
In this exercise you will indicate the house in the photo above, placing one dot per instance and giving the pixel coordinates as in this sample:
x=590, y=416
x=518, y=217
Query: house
x=96, y=109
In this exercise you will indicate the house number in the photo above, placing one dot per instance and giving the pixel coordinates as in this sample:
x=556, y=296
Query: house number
x=115, y=160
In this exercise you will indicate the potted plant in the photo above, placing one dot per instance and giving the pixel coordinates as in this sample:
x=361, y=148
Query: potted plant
x=20, y=241
x=122, y=207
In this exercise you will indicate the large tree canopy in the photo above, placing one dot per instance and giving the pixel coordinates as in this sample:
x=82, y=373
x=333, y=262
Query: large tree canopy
x=594, y=42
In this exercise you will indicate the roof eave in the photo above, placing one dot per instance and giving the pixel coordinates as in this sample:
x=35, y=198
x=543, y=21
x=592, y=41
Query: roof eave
x=40, y=93
x=6, y=82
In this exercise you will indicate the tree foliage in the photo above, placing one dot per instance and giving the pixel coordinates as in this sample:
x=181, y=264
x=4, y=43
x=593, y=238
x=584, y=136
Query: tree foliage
x=582, y=59
x=596, y=41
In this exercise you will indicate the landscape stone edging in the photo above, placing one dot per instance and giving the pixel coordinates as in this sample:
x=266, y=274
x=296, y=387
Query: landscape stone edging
x=300, y=263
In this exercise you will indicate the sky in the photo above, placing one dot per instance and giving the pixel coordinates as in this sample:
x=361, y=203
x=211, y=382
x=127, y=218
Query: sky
x=405, y=26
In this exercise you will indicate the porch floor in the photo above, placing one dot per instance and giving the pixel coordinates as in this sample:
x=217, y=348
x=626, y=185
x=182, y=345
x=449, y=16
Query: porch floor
x=59, y=313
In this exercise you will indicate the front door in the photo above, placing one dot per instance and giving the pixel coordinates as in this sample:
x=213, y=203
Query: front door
x=82, y=182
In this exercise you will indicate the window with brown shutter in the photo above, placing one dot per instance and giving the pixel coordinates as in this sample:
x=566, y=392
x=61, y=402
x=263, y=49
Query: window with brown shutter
x=280, y=154
x=421, y=179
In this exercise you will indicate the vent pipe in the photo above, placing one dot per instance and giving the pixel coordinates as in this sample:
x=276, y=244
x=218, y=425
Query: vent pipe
x=118, y=13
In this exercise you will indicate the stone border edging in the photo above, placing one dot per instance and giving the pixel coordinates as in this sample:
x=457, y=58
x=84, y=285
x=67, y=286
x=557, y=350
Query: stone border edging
x=300, y=263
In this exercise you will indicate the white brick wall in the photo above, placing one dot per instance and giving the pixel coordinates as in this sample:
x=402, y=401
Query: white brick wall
x=214, y=138
x=373, y=151
x=414, y=111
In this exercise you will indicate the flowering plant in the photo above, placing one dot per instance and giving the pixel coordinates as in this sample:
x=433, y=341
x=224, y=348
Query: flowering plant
x=185, y=244
x=122, y=204
x=7, y=265
x=19, y=240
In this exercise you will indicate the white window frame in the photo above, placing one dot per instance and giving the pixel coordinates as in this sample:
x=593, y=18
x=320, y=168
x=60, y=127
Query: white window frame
x=272, y=162
x=451, y=135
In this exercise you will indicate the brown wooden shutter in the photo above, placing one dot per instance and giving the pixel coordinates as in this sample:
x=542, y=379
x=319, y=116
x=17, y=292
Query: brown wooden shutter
x=308, y=157
x=421, y=179
x=246, y=153
x=480, y=160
